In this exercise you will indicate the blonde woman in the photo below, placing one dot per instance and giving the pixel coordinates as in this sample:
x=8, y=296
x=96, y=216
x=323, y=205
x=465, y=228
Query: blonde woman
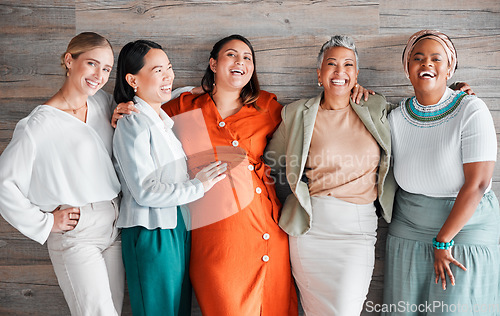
x=58, y=184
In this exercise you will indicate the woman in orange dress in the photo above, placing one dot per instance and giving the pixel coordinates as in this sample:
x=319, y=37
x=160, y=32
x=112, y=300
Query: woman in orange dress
x=239, y=256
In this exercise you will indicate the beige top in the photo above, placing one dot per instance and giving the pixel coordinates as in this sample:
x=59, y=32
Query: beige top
x=343, y=157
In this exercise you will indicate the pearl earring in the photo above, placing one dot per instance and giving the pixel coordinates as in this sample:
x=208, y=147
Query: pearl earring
x=319, y=84
x=135, y=89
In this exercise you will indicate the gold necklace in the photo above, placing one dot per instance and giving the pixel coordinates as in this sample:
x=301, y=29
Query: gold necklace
x=70, y=109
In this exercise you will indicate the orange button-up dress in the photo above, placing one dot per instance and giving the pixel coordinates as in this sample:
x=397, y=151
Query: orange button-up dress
x=239, y=256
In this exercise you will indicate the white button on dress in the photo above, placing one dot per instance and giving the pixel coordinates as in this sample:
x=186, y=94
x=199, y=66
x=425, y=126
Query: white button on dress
x=258, y=190
x=235, y=143
x=222, y=124
x=265, y=258
x=250, y=167
x=266, y=236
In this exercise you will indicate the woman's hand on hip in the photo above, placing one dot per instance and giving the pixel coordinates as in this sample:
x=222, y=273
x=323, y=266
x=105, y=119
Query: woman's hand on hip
x=442, y=260
x=212, y=174
x=65, y=220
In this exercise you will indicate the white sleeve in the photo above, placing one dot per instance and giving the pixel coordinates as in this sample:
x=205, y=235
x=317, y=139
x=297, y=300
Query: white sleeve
x=177, y=92
x=16, y=165
x=479, y=141
x=132, y=151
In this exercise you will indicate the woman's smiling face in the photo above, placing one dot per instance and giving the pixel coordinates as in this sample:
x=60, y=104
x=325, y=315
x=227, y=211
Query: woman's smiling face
x=234, y=65
x=154, y=80
x=90, y=71
x=428, y=67
x=338, y=73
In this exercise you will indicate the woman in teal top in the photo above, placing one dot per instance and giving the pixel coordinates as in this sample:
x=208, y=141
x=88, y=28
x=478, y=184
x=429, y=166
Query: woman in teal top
x=152, y=169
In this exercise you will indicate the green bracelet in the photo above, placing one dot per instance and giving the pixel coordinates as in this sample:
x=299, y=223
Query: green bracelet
x=442, y=245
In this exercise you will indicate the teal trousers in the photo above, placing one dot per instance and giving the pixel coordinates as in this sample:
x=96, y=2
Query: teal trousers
x=157, y=269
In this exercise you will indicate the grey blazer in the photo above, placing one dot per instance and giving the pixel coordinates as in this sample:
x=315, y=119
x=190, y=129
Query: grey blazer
x=287, y=153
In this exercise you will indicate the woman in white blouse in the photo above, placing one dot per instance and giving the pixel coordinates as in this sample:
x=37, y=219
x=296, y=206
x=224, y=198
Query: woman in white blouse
x=58, y=184
x=152, y=167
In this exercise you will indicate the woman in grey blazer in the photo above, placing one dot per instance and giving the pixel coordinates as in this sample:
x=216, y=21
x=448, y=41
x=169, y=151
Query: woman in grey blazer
x=335, y=157
x=151, y=165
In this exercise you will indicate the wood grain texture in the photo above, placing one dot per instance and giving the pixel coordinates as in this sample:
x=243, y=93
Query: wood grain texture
x=460, y=17
x=213, y=19
x=286, y=36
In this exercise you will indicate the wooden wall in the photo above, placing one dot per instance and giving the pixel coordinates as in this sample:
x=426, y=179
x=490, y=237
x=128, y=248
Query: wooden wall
x=286, y=35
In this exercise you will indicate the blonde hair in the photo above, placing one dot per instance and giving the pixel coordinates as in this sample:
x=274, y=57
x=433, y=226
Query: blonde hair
x=83, y=43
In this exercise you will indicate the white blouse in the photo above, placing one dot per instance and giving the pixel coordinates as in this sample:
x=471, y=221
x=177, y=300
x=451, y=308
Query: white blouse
x=55, y=159
x=430, y=144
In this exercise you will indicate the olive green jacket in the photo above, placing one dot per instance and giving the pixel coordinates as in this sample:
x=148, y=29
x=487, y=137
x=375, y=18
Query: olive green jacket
x=287, y=153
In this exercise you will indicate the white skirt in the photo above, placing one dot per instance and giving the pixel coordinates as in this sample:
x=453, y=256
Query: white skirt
x=333, y=263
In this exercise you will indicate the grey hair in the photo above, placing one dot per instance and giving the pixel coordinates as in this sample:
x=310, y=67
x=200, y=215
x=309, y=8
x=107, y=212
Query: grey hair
x=338, y=41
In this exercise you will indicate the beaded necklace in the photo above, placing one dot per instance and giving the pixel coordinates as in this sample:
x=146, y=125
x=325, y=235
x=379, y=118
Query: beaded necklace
x=431, y=115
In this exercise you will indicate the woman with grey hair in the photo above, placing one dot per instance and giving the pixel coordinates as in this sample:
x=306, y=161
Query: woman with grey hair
x=336, y=155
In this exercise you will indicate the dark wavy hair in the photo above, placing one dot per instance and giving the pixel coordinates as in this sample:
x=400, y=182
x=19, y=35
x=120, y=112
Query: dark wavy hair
x=130, y=61
x=250, y=92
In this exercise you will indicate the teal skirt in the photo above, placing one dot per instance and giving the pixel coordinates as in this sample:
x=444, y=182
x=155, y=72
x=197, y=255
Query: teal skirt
x=409, y=286
x=157, y=268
